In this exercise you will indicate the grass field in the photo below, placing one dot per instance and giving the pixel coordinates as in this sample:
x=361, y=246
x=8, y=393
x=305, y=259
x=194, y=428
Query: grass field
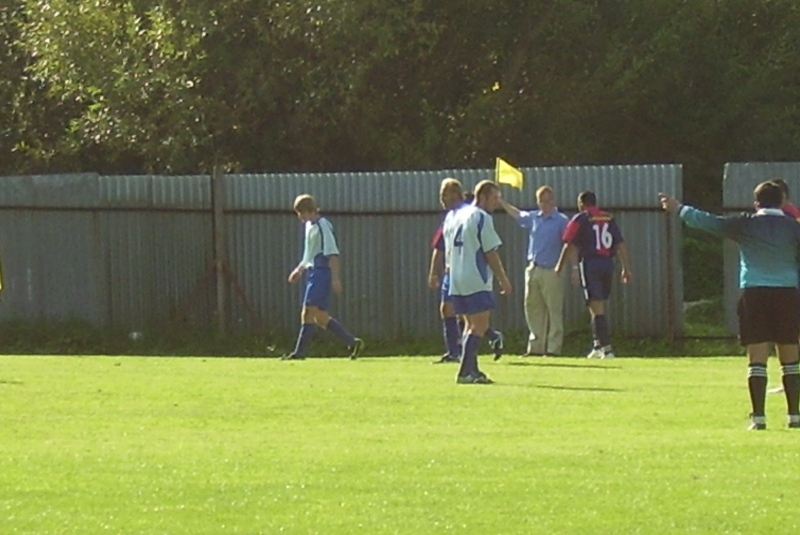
x=389, y=445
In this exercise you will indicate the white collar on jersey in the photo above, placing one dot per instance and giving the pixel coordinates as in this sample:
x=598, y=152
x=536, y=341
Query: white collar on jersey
x=769, y=211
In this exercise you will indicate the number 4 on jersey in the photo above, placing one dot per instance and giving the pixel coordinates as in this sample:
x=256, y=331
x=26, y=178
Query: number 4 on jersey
x=457, y=238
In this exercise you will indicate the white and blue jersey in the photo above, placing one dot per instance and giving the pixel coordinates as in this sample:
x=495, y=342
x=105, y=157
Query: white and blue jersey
x=319, y=244
x=437, y=243
x=468, y=235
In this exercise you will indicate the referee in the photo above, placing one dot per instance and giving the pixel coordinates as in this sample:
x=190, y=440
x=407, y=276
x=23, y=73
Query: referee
x=769, y=245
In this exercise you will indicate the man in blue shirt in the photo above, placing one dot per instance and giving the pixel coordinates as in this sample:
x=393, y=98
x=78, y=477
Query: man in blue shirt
x=769, y=248
x=544, y=287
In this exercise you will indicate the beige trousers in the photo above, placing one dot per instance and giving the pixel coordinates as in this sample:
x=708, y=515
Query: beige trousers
x=544, y=310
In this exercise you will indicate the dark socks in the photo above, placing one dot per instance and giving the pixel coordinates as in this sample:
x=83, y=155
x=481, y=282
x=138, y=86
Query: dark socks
x=303, y=339
x=452, y=336
x=336, y=328
x=469, y=356
x=757, y=385
x=791, y=386
x=600, y=333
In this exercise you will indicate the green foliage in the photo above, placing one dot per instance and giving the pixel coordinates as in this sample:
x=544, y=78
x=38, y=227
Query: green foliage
x=174, y=86
x=80, y=338
x=702, y=265
x=388, y=446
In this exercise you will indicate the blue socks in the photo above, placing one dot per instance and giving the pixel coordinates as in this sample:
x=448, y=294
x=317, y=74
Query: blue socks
x=469, y=356
x=336, y=328
x=452, y=336
x=303, y=339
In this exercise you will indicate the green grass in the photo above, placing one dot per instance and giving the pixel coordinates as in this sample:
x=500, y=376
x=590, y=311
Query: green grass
x=150, y=445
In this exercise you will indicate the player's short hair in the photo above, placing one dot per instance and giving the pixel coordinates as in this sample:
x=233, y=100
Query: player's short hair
x=543, y=189
x=305, y=203
x=768, y=195
x=781, y=184
x=452, y=184
x=587, y=198
x=484, y=187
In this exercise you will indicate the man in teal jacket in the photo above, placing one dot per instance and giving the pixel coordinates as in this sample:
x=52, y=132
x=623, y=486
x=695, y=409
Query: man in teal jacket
x=769, y=248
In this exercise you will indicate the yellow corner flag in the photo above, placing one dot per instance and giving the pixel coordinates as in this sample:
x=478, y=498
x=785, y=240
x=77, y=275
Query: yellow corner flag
x=505, y=173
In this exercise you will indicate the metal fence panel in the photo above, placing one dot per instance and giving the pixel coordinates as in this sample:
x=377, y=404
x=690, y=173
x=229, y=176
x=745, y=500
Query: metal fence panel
x=144, y=247
x=51, y=266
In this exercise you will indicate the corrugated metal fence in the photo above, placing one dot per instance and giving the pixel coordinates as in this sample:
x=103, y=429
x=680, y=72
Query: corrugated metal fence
x=137, y=251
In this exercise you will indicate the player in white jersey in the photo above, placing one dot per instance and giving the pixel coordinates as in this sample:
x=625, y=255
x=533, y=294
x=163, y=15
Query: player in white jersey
x=320, y=265
x=471, y=245
x=452, y=197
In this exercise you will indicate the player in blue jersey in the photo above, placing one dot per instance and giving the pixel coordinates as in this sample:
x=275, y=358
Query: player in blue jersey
x=452, y=197
x=320, y=265
x=471, y=245
x=769, y=248
x=591, y=241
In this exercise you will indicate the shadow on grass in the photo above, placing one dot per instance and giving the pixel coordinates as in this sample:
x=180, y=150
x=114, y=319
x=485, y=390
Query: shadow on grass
x=541, y=364
x=568, y=388
x=18, y=383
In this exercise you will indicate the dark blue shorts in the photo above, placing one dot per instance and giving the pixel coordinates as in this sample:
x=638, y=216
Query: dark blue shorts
x=318, y=288
x=596, y=277
x=474, y=303
x=445, y=289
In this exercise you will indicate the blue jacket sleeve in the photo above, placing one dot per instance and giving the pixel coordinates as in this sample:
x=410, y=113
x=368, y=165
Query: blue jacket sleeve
x=702, y=220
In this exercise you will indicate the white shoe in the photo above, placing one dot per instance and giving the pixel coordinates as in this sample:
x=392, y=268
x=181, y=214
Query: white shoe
x=608, y=355
x=776, y=390
x=596, y=353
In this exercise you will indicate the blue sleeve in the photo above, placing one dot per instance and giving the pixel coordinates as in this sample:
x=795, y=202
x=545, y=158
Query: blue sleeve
x=703, y=220
x=525, y=219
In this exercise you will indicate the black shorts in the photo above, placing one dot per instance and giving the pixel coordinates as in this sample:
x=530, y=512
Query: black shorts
x=768, y=315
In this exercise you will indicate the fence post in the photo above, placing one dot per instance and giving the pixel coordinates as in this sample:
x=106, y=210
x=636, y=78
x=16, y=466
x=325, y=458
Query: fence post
x=220, y=249
x=671, y=311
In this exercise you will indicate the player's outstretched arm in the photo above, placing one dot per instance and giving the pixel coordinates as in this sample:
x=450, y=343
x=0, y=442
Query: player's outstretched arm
x=668, y=203
x=694, y=217
x=510, y=209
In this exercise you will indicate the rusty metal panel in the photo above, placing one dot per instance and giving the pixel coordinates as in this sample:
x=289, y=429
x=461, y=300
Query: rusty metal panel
x=158, y=268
